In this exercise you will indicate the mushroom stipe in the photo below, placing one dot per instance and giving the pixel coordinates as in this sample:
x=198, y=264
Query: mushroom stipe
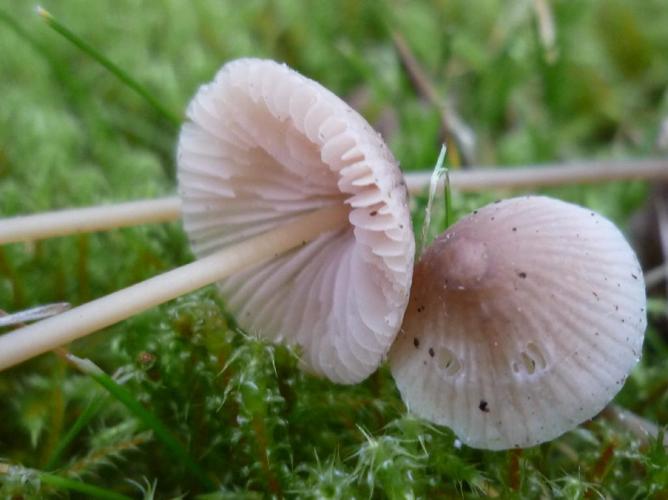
x=38, y=338
x=105, y=217
x=277, y=177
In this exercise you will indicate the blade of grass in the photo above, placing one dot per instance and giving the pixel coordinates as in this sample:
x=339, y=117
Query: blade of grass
x=436, y=175
x=58, y=70
x=64, y=483
x=457, y=135
x=60, y=73
x=73, y=485
x=33, y=314
x=11, y=23
x=447, y=195
x=115, y=70
x=56, y=413
x=152, y=422
x=81, y=422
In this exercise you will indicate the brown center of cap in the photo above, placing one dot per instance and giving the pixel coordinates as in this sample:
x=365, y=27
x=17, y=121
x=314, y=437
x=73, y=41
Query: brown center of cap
x=461, y=261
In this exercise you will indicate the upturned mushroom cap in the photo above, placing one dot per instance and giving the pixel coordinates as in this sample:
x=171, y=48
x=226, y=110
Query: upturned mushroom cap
x=264, y=145
x=524, y=320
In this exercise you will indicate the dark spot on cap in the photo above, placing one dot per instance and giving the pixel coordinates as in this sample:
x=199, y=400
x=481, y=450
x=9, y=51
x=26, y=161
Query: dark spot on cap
x=431, y=352
x=483, y=406
x=374, y=213
x=416, y=342
x=522, y=274
x=475, y=212
x=634, y=276
x=514, y=229
x=497, y=201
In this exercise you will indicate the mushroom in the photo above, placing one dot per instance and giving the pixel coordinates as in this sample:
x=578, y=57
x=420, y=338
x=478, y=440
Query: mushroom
x=265, y=145
x=524, y=320
x=296, y=206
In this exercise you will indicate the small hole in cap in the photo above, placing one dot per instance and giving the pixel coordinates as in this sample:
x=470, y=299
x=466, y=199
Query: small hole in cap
x=448, y=362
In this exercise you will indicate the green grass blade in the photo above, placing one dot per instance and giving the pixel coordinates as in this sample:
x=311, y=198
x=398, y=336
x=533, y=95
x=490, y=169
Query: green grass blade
x=115, y=70
x=146, y=417
x=89, y=490
x=438, y=172
x=81, y=422
x=61, y=483
x=20, y=31
x=447, y=193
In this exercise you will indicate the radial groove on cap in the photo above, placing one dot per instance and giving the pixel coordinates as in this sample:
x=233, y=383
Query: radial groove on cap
x=524, y=320
x=264, y=145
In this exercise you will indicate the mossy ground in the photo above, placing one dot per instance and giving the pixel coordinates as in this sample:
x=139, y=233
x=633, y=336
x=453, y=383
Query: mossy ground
x=71, y=134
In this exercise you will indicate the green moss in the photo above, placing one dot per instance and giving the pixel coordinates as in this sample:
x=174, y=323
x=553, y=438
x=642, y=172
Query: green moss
x=72, y=134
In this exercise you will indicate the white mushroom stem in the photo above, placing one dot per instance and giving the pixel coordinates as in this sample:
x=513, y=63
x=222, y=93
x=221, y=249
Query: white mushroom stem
x=90, y=219
x=30, y=341
x=640, y=427
x=656, y=276
x=100, y=218
x=476, y=179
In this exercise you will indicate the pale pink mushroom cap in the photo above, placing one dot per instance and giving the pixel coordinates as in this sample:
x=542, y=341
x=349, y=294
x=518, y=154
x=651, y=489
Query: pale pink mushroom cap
x=264, y=145
x=524, y=320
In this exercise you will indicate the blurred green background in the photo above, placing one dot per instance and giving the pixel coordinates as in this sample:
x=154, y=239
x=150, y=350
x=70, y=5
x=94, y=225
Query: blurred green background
x=534, y=81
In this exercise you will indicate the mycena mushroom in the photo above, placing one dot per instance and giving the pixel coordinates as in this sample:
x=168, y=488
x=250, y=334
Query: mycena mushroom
x=524, y=320
x=265, y=145
x=296, y=206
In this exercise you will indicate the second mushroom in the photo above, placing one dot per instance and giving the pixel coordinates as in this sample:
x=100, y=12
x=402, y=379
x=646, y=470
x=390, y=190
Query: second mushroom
x=524, y=320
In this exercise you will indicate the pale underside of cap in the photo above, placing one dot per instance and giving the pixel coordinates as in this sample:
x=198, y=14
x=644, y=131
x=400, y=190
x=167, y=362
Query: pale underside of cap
x=264, y=145
x=524, y=320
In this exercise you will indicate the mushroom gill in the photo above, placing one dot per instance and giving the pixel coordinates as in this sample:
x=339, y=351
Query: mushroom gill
x=265, y=145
